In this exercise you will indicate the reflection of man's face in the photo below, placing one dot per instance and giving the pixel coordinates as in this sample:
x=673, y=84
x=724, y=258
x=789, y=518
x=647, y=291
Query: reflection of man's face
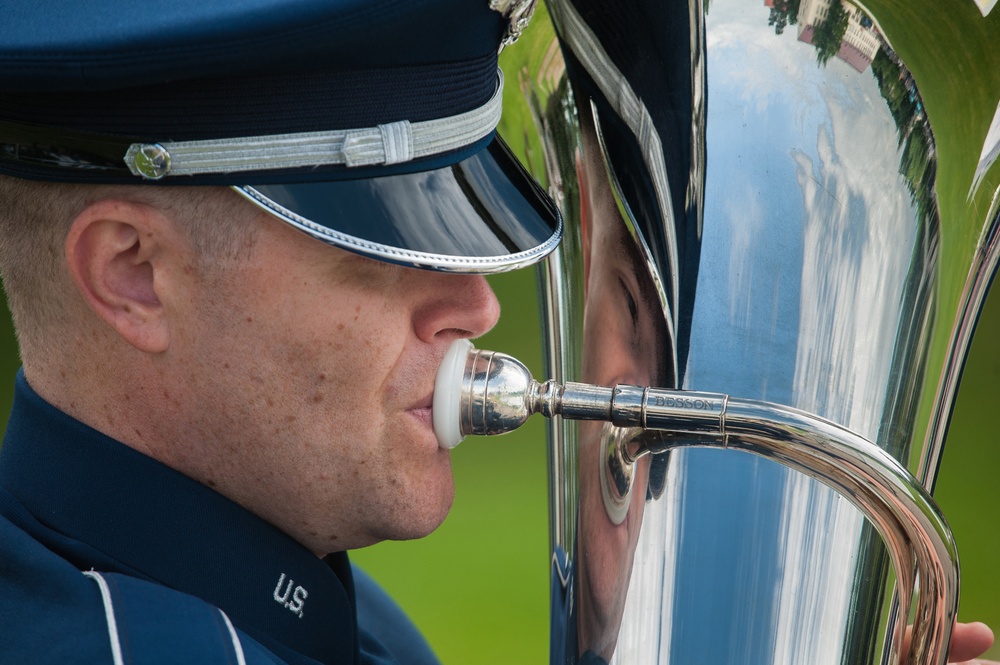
x=624, y=342
x=311, y=371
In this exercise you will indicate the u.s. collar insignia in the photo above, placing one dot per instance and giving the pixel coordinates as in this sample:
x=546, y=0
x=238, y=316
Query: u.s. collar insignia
x=518, y=13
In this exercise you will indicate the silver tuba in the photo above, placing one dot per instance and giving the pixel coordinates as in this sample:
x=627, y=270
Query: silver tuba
x=759, y=201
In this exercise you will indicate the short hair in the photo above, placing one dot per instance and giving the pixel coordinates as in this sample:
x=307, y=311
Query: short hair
x=36, y=216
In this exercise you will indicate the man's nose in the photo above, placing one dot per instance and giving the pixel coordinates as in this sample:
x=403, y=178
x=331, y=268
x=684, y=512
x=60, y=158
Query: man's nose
x=458, y=306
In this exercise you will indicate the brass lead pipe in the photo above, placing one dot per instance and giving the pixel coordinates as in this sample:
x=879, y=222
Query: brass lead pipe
x=498, y=395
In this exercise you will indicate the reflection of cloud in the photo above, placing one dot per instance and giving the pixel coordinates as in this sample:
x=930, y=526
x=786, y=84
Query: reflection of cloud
x=741, y=61
x=811, y=619
x=810, y=229
x=747, y=228
x=858, y=216
x=824, y=136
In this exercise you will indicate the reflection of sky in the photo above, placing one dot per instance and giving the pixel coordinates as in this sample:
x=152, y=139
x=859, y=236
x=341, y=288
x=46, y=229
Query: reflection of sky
x=469, y=210
x=808, y=235
x=808, y=226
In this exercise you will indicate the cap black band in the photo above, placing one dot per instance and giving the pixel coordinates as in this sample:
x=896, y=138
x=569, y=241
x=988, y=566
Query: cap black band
x=263, y=104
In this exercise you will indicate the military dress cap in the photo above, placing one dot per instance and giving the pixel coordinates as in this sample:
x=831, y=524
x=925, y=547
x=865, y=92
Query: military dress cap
x=368, y=124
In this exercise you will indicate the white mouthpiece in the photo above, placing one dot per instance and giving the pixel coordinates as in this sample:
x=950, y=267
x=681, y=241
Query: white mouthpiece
x=448, y=394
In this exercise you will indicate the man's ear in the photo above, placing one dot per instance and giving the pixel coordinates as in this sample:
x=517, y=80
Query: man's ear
x=114, y=251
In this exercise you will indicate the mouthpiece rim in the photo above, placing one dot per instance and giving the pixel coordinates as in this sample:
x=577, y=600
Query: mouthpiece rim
x=448, y=394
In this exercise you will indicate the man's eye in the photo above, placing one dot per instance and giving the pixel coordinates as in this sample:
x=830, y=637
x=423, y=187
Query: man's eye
x=633, y=309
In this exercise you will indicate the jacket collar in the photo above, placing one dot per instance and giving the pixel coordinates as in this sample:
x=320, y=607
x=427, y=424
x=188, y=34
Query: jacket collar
x=108, y=507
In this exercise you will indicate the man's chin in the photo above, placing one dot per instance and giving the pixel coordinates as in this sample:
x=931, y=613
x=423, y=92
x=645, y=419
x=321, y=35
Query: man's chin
x=410, y=532
x=427, y=526
x=419, y=519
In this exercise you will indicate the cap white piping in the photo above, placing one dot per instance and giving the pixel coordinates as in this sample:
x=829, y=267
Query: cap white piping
x=391, y=143
x=442, y=262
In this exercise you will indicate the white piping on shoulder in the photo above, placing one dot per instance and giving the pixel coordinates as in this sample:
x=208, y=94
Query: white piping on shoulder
x=237, y=645
x=109, y=614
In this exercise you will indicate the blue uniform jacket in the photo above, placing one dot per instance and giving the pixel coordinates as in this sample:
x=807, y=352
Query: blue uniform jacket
x=108, y=556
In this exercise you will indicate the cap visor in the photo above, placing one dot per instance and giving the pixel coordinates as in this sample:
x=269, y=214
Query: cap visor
x=483, y=214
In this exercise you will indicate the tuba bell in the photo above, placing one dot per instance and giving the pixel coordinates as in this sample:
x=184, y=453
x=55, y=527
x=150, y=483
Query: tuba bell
x=762, y=199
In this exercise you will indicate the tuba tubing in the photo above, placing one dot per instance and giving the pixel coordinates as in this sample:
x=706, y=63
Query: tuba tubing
x=498, y=395
x=766, y=199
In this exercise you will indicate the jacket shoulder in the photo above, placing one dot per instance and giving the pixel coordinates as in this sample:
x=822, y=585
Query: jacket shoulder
x=149, y=624
x=54, y=613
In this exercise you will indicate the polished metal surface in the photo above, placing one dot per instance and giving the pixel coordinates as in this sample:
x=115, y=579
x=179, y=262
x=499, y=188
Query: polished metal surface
x=984, y=268
x=499, y=394
x=149, y=160
x=502, y=394
x=518, y=14
x=779, y=201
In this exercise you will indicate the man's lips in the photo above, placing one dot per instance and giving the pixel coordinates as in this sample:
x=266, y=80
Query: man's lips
x=423, y=408
x=424, y=413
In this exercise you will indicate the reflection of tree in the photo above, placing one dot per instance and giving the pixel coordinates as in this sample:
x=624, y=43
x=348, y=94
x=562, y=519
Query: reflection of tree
x=916, y=164
x=554, y=115
x=895, y=89
x=783, y=14
x=829, y=33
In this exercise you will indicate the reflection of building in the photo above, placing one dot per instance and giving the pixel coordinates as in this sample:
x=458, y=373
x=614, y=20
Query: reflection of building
x=860, y=42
